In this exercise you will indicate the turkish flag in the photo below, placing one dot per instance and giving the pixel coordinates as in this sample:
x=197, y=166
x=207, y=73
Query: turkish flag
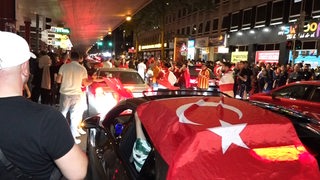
x=116, y=85
x=230, y=139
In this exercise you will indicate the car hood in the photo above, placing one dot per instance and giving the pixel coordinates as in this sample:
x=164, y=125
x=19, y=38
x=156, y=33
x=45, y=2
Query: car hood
x=217, y=136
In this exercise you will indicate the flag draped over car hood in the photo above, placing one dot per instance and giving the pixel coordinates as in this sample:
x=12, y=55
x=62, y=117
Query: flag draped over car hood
x=214, y=138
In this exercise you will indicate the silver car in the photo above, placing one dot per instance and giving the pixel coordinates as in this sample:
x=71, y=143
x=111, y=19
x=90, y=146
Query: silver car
x=119, y=84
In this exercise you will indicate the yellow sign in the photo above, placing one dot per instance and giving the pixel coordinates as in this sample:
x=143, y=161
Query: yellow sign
x=239, y=56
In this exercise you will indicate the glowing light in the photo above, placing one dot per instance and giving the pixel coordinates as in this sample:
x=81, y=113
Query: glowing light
x=128, y=18
x=282, y=153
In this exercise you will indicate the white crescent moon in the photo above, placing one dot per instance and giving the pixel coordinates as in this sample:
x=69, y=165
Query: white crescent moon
x=182, y=118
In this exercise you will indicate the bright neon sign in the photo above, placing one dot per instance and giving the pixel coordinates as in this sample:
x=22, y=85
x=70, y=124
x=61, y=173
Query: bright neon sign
x=311, y=30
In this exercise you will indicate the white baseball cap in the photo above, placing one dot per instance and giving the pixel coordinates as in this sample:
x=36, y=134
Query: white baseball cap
x=14, y=50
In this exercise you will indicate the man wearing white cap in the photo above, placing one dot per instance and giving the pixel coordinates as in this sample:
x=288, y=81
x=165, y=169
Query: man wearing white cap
x=34, y=138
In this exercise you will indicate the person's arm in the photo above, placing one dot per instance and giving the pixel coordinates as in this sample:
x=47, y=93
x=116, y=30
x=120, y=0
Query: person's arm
x=59, y=78
x=74, y=164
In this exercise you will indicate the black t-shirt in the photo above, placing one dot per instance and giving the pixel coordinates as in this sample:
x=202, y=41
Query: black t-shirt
x=32, y=136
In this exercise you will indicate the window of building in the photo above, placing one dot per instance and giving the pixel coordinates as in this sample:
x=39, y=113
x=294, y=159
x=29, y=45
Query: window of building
x=234, y=20
x=179, y=13
x=246, y=18
x=178, y=31
x=277, y=46
x=316, y=8
x=261, y=13
x=188, y=30
x=184, y=11
x=225, y=22
x=295, y=10
x=183, y=31
x=200, y=28
x=208, y=25
x=194, y=29
x=215, y=25
x=277, y=12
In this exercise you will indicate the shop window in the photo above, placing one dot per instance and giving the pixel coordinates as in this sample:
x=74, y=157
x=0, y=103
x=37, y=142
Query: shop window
x=269, y=47
x=309, y=45
x=260, y=47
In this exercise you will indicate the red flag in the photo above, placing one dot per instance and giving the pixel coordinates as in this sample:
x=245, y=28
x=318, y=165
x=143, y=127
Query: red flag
x=229, y=139
x=116, y=85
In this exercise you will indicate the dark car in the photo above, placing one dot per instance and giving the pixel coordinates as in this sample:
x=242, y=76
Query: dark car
x=179, y=136
x=194, y=72
x=302, y=96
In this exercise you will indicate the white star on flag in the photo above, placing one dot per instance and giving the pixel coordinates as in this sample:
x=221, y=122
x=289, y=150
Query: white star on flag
x=229, y=134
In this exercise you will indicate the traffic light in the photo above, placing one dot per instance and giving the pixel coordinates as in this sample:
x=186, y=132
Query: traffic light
x=99, y=43
x=48, y=23
x=289, y=45
x=109, y=43
x=298, y=44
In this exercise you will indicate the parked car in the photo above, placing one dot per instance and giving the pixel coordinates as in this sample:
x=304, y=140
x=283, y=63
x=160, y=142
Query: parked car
x=118, y=84
x=178, y=136
x=302, y=96
x=194, y=72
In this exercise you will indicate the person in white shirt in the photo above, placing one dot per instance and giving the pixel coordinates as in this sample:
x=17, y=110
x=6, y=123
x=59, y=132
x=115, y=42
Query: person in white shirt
x=226, y=81
x=142, y=69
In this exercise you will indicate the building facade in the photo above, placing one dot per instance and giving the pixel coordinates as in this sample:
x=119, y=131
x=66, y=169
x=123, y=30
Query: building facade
x=277, y=31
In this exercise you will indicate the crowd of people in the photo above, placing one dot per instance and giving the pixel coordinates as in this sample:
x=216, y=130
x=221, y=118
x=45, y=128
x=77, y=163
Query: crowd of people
x=238, y=80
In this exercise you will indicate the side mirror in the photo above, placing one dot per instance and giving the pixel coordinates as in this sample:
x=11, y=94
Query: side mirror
x=90, y=122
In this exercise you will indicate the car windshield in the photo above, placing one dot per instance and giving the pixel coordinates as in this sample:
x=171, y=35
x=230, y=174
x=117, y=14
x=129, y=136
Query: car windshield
x=126, y=77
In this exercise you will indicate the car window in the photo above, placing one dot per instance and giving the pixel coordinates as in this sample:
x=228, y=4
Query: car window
x=296, y=92
x=130, y=78
x=126, y=77
x=315, y=97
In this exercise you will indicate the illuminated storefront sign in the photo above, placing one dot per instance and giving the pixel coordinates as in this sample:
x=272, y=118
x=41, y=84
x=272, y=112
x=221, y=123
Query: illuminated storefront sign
x=152, y=46
x=60, y=30
x=191, y=49
x=306, y=56
x=267, y=56
x=239, y=56
x=311, y=30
